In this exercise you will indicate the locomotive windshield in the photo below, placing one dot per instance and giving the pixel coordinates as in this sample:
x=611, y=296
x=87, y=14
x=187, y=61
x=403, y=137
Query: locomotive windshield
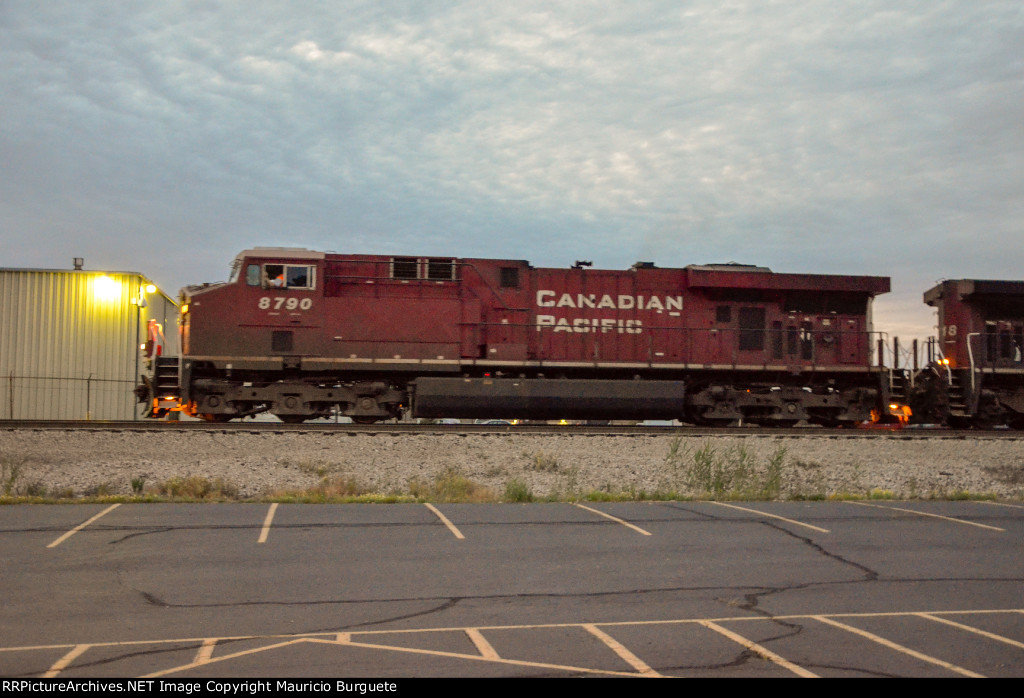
x=282, y=276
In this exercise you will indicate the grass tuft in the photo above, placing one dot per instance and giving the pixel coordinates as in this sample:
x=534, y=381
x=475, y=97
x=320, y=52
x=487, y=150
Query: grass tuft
x=195, y=488
x=450, y=486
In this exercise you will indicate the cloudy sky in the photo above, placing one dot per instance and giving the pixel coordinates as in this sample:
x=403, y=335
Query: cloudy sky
x=879, y=137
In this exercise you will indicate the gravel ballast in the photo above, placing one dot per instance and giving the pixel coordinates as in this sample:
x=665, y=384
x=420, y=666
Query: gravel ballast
x=263, y=463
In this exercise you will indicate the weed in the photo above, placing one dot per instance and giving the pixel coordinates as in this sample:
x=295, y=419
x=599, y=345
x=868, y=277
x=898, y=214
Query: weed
x=317, y=467
x=339, y=489
x=10, y=471
x=195, y=487
x=545, y=463
x=450, y=486
x=517, y=491
x=138, y=483
x=734, y=473
x=103, y=489
x=772, y=485
x=572, y=483
x=35, y=489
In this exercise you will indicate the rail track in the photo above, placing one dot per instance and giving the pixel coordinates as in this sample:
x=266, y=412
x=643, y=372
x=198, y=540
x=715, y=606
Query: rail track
x=573, y=430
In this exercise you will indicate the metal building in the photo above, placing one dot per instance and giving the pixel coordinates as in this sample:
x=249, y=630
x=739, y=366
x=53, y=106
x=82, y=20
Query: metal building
x=73, y=342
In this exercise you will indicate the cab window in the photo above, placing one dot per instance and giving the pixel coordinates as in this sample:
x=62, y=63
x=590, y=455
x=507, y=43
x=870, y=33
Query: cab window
x=297, y=276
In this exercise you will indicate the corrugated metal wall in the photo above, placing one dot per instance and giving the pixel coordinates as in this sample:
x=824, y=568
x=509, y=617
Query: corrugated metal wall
x=69, y=342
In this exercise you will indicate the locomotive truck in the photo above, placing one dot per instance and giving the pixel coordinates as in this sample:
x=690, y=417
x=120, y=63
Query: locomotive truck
x=302, y=334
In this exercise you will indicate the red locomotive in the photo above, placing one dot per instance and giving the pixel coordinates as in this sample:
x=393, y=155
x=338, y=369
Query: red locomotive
x=300, y=334
x=975, y=373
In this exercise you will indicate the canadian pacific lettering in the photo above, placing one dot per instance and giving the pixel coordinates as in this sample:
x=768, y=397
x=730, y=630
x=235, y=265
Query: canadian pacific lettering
x=551, y=299
x=585, y=301
x=583, y=325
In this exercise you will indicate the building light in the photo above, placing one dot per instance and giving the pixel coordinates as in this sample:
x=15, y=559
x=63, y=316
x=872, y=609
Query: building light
x=106, y=290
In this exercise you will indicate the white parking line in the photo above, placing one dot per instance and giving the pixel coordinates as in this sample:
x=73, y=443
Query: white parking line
x=970, y=629
x=925, y=513
x=1000, y=504
x=266, y=523
x=485, y=648
x=615, y=519
x=770, y=516
x=444, y=519
x=205, y=652
x=899, y=648
x=763, y=651
x=619, y=649
x=80, y=526
x=64, y=661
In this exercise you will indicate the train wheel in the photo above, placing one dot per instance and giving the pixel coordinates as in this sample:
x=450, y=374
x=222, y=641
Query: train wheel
x=989, y=414
x=220, y=418
x=364, y=420
x=293, y=418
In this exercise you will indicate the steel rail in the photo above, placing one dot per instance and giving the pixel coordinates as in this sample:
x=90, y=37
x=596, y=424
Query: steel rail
x=511, y=430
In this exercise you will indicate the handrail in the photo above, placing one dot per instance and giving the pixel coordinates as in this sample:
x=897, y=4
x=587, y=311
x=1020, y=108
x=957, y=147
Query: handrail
x=970, y=355
x=945, y=363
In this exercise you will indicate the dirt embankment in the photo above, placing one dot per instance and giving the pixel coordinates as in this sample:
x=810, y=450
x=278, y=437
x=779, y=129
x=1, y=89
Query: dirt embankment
x=260, y=463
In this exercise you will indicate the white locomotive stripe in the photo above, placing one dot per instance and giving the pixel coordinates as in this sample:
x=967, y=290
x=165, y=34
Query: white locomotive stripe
x=485, y=363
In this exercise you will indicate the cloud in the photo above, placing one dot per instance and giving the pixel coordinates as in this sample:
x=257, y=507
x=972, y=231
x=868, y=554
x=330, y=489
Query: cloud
x=842, y=137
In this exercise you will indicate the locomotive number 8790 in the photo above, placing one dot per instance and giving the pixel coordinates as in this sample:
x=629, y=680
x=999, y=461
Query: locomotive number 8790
x=303, y=334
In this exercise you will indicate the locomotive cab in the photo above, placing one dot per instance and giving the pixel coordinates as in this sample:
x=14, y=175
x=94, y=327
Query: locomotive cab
x=975, y=374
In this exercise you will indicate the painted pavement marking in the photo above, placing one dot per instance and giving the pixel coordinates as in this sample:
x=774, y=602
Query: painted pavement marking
x=619, y=649
x=266, y=523
x=206, y=645
x=615, y=519
x=80, y=526
x=205, y=652
x=899, y=648
x=926, y=513
x=771, y=516
x=444, y=519
x=487, y=651
x=64, y=661
x=763, y=651
x=1000, y=504
x=972, y=629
